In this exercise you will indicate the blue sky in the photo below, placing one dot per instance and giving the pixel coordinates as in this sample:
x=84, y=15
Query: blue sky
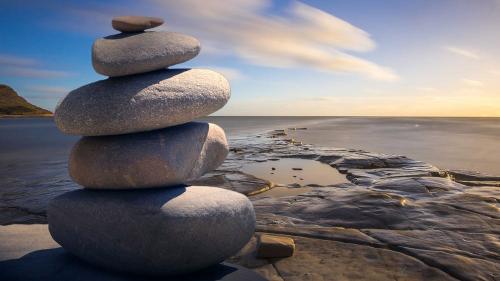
x=350, y=57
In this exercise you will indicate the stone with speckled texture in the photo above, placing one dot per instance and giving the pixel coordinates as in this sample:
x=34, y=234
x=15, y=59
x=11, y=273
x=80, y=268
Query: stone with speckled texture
x=142, y=102
x=155, y=231
x=134, y=53
x=135, y=23
x=153, y=159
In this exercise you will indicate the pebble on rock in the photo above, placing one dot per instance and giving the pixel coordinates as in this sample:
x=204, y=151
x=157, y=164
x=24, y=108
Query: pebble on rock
x=153, y=159
x=155, y=231
x=272, y=246
x=135, y=23
x=142, y=102
x=134, y=53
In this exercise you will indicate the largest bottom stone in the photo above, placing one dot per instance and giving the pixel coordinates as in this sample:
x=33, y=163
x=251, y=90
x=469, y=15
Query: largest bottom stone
x=160, y=231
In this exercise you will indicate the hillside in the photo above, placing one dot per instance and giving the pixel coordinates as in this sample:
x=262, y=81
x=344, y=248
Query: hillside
x=13, y=104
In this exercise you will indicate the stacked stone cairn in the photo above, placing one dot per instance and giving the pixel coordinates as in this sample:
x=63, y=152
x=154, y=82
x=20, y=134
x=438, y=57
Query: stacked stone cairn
x=139, y=148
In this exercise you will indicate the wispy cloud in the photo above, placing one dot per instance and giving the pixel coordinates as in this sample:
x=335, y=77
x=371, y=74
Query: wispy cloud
x=301, y=36
x=9, y=60
x=462, y=52
x=33, y=72
x=472, y=83
x=44, y=92
x=15, y=66
x=48, y=90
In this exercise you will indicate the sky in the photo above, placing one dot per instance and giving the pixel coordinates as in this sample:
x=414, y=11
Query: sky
x=316, y=58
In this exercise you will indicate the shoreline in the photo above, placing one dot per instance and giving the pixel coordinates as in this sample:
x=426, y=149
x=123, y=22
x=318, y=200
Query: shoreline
x=451, y=144
x=360, y=167
x=395, y=217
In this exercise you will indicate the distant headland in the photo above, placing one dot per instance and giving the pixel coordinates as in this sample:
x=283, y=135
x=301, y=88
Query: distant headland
x=13, y=105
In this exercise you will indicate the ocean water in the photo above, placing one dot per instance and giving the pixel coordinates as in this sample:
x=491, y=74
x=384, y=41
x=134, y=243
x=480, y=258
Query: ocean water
x=449, y=143
x=33, y=153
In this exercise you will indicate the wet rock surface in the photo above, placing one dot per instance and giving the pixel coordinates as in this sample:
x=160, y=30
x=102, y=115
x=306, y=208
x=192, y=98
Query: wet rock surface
x=320, y=259
x=397, y=218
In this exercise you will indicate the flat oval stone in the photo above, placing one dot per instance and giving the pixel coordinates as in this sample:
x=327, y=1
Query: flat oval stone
x=156, y=231
x=140, y=103
x=135, y=23
x=134, y=53
x=154, y=159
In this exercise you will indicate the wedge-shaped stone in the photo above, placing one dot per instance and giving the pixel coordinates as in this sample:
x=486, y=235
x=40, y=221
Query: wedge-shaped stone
x=143, y=102
x=133, y=53
x=153, y=159
x=155, y=231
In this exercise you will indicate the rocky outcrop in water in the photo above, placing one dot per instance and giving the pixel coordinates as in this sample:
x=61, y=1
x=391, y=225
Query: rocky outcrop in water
x=11, y=104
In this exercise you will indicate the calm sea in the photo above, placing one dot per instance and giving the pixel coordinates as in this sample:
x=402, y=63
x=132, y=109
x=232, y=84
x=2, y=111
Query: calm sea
x=33, y=153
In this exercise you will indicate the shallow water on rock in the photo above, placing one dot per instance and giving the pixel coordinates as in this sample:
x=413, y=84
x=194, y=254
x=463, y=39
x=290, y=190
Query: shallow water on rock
x=295, y=172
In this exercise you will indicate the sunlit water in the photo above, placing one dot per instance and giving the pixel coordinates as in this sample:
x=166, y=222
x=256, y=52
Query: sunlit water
x=449, y=143
x=292, y=171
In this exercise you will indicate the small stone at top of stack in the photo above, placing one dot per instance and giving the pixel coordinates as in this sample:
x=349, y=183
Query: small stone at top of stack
x=135, y=23
x=139, y=138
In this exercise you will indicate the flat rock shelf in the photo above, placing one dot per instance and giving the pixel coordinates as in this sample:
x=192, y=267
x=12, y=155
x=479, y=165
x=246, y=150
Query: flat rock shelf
x=394, y=219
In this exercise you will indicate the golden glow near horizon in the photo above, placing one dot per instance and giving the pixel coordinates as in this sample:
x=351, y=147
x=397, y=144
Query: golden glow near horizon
x=466, y=84
x=478, y=97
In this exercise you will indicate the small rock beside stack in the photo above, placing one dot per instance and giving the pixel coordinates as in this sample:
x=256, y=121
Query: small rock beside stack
x=139, y=146
x=272, y=246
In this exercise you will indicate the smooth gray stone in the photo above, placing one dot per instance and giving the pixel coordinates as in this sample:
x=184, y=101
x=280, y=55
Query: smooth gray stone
x=135, y=23
x=158, y=158
x=157, y=231
x=134, y=53
x=28, y=252
x=142, y=102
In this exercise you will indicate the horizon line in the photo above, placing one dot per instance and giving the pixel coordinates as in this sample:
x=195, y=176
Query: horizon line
x=355, y=116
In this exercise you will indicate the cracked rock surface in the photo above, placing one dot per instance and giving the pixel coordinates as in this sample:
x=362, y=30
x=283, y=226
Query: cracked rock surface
x=397, y=219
